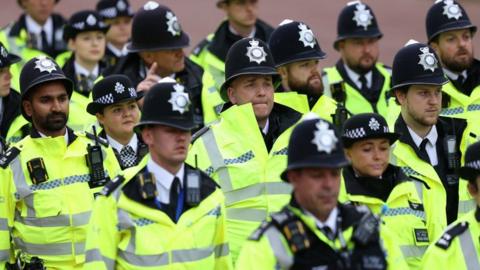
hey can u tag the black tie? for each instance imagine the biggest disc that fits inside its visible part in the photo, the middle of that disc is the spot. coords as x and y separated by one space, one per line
328 233
45 45
175 190
460 79
423 150
364 89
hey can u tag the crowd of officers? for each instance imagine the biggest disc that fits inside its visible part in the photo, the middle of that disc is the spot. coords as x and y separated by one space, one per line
119 152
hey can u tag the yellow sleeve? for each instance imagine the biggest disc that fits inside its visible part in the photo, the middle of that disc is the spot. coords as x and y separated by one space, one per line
102 235
256 255
7 209
438 258
223 259
395 259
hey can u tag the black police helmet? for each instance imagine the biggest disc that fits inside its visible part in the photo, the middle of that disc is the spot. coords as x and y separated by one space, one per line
111 9
471 170
416 63
155 27
167 103
6 58
445 16
111 90
314 144
356 20
83 21
366 126
40 70
294 41
248 56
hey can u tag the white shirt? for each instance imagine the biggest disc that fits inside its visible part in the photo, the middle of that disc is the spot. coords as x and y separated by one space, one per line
118 146
265 128
453 75
80 70
331 221
431 149
117 52
34 28
251 35
64 136
355 77
164 179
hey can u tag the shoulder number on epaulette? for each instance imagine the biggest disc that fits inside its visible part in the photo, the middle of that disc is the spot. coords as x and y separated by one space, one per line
446 240
257 234
199 48
8 156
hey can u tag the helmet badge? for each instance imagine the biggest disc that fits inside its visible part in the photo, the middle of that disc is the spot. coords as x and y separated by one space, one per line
324 138
452 10
45 64
150 5
256 53
172 24
179 99
119 88
121 5
91 20
362 16
373 124
306 36
427 59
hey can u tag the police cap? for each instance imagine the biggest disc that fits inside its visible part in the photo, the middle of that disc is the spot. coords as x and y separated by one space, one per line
471 170
366 126
111 9
111 90
83 21
294 41
167 103
248 56
6 58
156 27
445 16
356 20
314 144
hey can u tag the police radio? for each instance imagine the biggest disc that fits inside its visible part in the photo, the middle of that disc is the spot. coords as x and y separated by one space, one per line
341 113
94 159
193 188
450 149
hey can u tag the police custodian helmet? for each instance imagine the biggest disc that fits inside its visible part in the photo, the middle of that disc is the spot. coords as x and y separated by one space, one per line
155 27
248 56
294 41
314 144
416 63
167 103
356 20
364 126
39 70
445 16
471 170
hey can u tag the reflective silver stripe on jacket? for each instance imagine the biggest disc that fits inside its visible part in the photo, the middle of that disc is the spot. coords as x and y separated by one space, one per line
94 255
284 259
413 251
4 255
3 224
80 219
217 160
247 214
23 190
270 188
469 252
465 206
419 188
50 249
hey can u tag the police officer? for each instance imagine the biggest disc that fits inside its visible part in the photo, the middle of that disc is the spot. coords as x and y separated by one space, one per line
296 53
114 104
365 80
450 32
85 33
371 181
118 15
245 151
13 126
167 214
50 177
156 51
430 147
241 21
314 231
458 247
37 28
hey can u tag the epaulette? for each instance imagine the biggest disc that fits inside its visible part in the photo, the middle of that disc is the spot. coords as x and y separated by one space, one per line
112 185
448 236
199 133
257 234
101 140
8 156
199 48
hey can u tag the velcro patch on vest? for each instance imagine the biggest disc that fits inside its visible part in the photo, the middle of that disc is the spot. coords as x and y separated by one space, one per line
8 156
416 206
421 235
447 238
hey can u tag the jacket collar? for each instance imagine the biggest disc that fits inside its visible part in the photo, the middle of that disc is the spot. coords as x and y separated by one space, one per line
71 135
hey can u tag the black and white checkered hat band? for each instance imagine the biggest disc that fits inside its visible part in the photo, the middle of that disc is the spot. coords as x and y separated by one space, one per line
473 164
107 99
79 25
108 12
355 133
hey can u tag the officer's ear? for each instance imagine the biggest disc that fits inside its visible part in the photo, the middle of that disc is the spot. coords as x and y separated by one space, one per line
147 57
100 117
27 106
400 94
473 187
231 96
71 44
435 46
283 72
348 153
147 135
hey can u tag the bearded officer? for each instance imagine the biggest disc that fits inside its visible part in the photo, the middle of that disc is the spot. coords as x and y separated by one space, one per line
314 231
49 178
163 201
